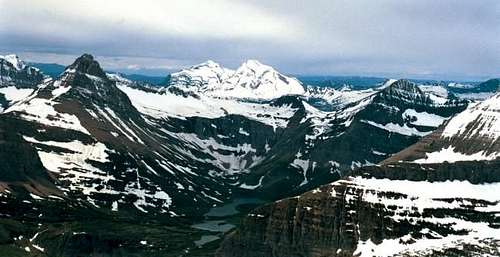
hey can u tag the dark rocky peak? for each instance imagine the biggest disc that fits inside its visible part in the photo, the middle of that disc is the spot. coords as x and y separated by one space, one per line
405 91
87 64
405 86
86 82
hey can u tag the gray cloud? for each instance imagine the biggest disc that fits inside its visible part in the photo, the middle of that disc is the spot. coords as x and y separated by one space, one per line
435 39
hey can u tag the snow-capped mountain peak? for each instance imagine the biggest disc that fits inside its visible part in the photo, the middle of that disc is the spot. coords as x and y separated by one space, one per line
14 72
205 76
209 64
259 81
254 65
252 80
15 61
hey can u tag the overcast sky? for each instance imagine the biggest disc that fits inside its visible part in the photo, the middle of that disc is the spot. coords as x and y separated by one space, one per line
453 39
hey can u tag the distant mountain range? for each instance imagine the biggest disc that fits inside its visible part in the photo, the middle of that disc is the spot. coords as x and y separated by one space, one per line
356 82
89 149
53 70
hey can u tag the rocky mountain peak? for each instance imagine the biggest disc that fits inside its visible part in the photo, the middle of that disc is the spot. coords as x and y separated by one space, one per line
87 64
405 91
405 85
15 61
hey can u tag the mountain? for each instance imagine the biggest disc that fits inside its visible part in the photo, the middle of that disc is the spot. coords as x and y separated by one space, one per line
17 80
90 149
78 147
363 131
252 80
14 72
292 145
438 197
91 136
471 135
477 91
337 82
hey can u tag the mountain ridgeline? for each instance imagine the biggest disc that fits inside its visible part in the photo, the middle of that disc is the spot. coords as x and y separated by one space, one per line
89 149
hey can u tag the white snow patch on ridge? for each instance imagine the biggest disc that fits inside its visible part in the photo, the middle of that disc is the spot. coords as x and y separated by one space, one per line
450 155
42 111
396 128
252 187
424 118
13 94
432 190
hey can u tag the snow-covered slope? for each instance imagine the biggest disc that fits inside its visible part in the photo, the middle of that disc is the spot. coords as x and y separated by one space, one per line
252 80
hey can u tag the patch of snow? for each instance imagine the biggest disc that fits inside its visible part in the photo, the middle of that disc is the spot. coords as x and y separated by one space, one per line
252 187
73 165
114 206
13 94
396 128
424 118
42 111
243 132
439 91
450 155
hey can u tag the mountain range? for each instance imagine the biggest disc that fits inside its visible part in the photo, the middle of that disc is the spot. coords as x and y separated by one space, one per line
89 148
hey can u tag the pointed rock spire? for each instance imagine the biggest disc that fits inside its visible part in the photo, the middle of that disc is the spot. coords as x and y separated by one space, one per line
87 64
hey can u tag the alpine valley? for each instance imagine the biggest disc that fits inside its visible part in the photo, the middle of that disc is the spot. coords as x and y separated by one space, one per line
245 162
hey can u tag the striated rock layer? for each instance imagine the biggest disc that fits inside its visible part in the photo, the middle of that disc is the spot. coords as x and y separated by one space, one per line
422 210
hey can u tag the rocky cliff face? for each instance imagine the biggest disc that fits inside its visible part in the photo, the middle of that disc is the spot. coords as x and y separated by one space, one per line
396 210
